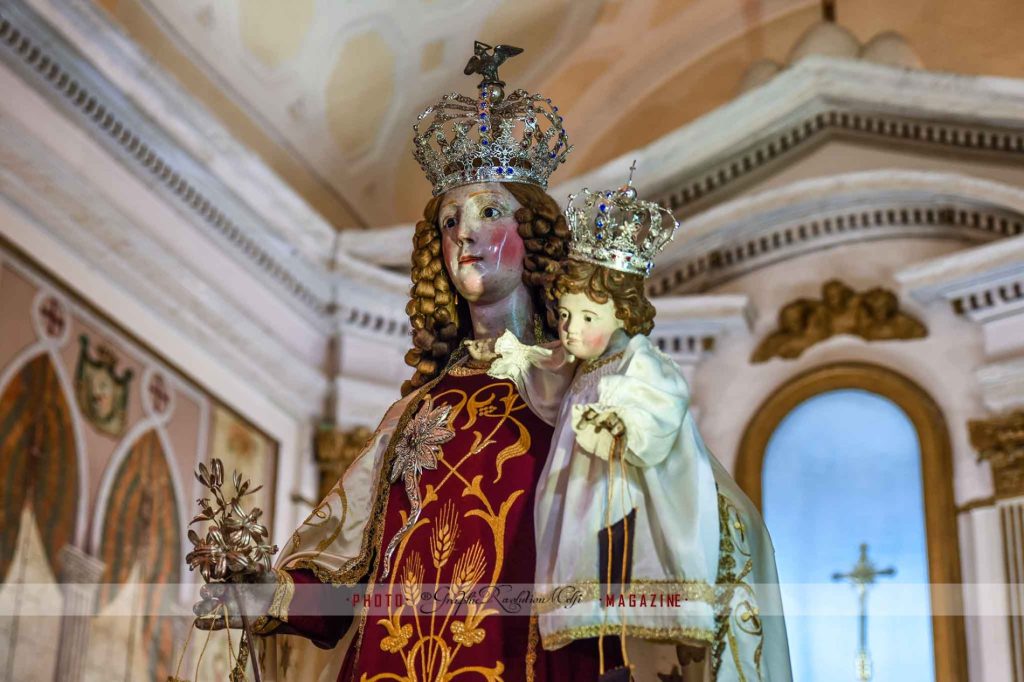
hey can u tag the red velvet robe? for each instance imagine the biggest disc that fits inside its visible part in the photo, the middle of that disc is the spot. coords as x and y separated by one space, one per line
476 530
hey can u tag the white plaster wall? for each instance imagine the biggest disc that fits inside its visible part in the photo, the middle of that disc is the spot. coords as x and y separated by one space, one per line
728 389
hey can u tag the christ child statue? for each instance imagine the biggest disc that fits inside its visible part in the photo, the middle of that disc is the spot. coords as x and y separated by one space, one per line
626 511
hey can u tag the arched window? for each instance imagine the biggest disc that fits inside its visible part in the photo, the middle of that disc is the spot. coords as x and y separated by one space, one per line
831 454
842 468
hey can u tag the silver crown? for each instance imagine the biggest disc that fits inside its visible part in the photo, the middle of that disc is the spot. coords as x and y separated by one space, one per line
493 138
615 229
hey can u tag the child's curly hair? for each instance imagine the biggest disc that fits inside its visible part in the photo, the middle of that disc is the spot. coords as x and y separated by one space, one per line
439 318
599 284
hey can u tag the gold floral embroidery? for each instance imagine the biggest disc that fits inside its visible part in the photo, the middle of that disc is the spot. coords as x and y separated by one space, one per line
412 579
466 635
593 590
442 538
737 612
467 371
468 570
531 649
434 639
588 366
675 634
398 635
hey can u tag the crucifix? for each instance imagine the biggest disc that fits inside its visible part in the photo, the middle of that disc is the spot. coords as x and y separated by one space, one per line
863 575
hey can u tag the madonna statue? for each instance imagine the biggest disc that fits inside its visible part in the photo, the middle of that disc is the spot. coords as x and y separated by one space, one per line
425 551
443 493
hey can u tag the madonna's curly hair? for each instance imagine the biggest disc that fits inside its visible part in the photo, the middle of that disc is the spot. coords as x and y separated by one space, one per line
440 318
599 283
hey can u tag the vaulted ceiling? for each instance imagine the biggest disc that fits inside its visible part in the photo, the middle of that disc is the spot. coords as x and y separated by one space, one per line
326 91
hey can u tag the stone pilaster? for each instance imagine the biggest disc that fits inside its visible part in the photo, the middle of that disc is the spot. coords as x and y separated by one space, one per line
78 577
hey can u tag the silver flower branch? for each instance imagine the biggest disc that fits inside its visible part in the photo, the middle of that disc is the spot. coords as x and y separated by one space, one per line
235 543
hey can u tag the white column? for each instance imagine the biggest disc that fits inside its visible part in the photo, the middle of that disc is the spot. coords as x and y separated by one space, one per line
1011 517
79 573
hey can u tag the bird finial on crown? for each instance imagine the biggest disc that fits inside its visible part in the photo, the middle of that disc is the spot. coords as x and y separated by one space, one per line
490 138
617 230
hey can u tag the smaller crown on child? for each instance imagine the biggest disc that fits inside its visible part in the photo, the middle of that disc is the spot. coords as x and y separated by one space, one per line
615 229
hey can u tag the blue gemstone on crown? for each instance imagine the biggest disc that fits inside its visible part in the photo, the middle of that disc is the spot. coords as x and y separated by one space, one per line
454 144
625 239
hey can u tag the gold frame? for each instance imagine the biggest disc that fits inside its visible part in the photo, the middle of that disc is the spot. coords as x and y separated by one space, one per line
936 475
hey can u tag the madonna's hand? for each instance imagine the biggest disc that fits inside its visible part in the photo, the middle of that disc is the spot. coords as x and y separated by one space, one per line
253 598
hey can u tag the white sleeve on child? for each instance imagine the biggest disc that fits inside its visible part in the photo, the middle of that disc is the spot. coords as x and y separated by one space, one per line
650 397
542 373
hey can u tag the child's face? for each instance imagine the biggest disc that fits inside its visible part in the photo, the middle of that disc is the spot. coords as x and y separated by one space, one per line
585 327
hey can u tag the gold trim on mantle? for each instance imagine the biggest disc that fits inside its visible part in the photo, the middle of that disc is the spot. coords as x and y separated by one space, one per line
1000 442
936 473
873 315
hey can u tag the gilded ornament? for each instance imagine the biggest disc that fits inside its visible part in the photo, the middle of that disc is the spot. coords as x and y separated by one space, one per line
335 450
873 315
1000 442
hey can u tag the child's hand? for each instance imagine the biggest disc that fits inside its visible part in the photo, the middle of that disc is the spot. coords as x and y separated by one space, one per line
481 350
604 421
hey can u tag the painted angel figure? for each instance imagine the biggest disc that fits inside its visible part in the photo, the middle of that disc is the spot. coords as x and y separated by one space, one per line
631 506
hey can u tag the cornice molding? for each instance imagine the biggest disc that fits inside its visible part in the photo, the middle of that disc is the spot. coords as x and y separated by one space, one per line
751 232
55 69
983 284
817 99
688 328
230 196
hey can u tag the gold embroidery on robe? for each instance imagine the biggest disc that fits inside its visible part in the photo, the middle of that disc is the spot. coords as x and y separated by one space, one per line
428 644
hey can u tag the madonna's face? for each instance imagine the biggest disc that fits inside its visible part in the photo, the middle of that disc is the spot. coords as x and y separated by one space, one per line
480 241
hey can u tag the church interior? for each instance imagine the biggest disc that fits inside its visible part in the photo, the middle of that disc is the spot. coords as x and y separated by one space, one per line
206 218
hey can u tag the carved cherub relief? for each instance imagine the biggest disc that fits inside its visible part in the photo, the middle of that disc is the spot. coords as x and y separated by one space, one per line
873 315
